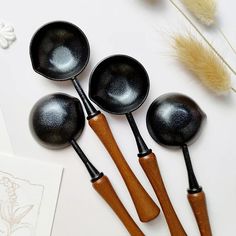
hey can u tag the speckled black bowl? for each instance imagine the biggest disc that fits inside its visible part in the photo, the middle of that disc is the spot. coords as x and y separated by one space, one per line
174 119
57 119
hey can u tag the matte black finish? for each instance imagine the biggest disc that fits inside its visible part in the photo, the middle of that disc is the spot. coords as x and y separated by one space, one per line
174 119
119 84
193 183
56 121
142 146
59 50
90 109
94 173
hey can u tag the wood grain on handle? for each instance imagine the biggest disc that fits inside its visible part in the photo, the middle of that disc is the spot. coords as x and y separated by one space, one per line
151 169
145 206
105 189
199 207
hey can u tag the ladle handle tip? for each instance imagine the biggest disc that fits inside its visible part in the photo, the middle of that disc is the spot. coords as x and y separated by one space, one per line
146 208
104 187
199 207
151 169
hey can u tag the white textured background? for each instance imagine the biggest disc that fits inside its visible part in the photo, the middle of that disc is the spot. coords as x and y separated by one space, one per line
141 29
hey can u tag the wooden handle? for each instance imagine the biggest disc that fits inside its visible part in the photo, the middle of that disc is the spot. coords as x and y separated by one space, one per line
145 206
105 189
199 207
151 169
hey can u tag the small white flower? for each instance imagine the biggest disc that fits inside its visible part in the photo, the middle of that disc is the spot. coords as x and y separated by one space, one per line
7 35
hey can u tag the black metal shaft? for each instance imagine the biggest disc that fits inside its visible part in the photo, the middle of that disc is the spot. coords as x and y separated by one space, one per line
193 183
142 147
94 173
90 109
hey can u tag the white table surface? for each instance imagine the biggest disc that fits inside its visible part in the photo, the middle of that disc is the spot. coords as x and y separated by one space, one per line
141 29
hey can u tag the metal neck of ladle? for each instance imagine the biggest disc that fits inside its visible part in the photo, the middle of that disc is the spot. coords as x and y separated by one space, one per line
94 173
193 183
90 109
142 147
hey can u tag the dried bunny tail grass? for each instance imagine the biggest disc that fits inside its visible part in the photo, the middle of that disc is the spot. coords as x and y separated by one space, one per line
203 62
211 8
203 37
204 10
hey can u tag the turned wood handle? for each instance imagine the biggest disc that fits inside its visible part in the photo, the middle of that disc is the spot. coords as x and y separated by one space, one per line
145 206
199 207
105 189
151 169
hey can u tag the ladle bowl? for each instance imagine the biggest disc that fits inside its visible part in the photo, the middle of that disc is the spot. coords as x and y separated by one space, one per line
56 121
119 84
174 119
59 50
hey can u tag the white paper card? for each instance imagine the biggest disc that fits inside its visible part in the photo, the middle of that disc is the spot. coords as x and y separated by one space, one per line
28 196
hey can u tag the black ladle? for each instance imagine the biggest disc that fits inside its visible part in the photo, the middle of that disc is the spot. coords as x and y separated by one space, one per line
119 85
175 120
60 51
56 121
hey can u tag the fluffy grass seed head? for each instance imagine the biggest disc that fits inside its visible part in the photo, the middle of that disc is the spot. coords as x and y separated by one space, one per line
204 10
203 62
